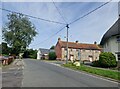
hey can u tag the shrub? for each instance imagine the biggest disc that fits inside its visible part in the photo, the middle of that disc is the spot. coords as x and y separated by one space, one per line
52 56
96 63
107 59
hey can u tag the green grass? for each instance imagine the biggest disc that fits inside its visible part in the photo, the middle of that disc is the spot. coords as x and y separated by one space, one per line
106 73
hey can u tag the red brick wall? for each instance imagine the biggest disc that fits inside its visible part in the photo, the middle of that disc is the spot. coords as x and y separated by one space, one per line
58 51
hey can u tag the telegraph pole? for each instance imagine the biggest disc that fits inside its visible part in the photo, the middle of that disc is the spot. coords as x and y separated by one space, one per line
67 43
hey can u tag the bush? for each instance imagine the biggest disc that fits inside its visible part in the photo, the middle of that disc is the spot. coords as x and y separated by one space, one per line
107 59
52 56
30 53
96 63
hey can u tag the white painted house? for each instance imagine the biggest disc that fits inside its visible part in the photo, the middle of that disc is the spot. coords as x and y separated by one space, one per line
111 40
43 53
39 54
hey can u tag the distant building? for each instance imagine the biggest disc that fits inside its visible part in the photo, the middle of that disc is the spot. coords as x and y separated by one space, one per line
77 51
43 53
111 40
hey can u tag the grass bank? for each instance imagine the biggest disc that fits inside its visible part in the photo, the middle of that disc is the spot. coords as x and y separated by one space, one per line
105 73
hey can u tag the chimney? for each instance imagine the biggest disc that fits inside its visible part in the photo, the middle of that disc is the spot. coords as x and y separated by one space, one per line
59 39
76 41
95 42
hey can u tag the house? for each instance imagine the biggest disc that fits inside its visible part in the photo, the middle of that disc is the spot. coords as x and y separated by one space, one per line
43 53
77 51
111 40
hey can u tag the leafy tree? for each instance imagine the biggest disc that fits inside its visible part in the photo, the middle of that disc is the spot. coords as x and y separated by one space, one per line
4 48
30 53
18 32
52 47
52 56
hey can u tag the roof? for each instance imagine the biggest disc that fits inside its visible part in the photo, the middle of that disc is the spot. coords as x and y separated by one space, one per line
75 45
44 51
114 30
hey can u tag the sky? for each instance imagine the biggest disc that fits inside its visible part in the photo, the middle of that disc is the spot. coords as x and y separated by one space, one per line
87 30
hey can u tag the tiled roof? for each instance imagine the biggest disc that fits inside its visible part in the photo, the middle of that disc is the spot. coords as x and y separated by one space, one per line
79 45
44 51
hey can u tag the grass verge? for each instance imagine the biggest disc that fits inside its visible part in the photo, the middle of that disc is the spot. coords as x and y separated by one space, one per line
105 73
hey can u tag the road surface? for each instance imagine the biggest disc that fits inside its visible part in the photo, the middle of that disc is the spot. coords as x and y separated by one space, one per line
43 74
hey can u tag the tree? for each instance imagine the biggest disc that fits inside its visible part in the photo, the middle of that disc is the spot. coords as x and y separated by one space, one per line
18 32
52 47
4 48
52 56
30 53
106 59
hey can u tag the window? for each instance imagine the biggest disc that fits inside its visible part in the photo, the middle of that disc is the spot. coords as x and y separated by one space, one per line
118 38
96 51
65 49
118 56
83 50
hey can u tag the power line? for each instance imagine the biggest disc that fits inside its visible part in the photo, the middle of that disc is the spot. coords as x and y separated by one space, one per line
90 12
50 36
75 21
58 22
32 16
59 12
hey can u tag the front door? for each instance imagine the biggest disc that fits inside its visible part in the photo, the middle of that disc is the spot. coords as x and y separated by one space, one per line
72 58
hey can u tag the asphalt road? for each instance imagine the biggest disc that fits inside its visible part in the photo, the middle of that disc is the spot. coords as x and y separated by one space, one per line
0 77
42 74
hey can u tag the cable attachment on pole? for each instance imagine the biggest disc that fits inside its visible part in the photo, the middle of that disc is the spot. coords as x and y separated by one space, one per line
67 25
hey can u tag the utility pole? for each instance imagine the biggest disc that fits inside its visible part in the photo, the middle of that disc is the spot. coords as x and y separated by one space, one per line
79 55
67 43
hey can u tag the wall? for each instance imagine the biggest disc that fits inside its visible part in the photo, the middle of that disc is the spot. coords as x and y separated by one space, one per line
58 51
84 54
90 54
111 45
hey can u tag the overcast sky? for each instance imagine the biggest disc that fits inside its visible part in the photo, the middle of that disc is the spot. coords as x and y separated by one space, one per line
87 30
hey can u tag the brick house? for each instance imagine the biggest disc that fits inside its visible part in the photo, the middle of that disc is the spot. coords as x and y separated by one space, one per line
77 51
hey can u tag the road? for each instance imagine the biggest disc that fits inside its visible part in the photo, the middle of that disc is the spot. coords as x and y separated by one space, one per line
43 74
0 77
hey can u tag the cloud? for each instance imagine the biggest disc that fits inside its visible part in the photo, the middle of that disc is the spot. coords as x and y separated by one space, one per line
93 27
87 30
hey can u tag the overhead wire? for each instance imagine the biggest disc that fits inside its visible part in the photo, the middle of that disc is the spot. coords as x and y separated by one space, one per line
49 37
32 16
90 12
59 11
59 22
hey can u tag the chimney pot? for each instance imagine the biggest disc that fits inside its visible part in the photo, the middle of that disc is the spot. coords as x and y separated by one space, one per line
59 39
77 41
95 42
